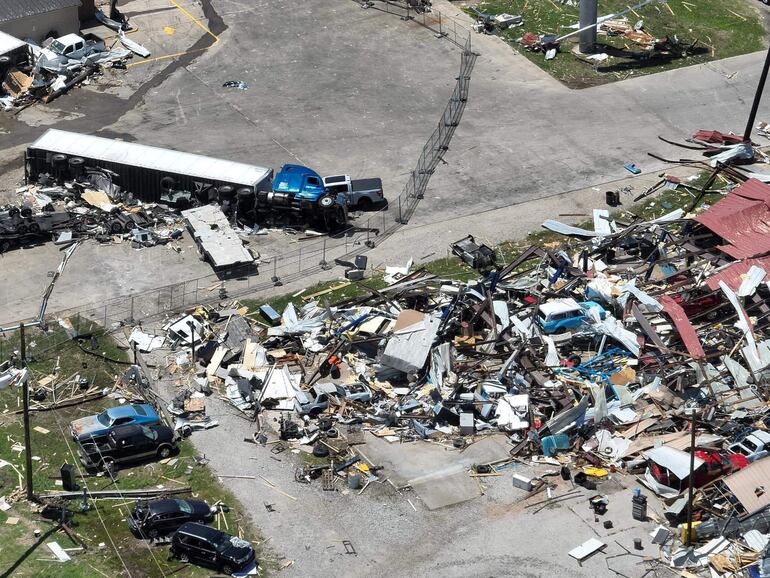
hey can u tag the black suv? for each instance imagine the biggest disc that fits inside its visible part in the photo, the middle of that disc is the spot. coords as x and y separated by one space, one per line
150 519
128 443
209 547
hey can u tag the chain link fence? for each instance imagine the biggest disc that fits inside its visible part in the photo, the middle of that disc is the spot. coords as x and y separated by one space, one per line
365 232
413 10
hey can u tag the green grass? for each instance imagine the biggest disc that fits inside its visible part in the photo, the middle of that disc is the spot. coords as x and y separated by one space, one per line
721 29
104 523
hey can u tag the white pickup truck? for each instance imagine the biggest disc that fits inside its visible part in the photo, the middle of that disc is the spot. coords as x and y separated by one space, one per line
361 194
69 50
754 446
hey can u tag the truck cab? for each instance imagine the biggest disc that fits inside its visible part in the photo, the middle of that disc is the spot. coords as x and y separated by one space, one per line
301 189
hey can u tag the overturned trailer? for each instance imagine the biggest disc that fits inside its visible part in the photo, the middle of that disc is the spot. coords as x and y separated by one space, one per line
145 171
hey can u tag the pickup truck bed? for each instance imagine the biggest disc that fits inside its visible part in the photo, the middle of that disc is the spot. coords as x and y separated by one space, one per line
366 185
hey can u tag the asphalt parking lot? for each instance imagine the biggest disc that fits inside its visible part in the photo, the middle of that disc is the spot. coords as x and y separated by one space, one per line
349 90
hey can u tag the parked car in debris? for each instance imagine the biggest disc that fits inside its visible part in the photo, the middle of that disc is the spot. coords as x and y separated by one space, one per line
478 256
212 548
560 315
127 443
95 426
68 49
316 400
668 469
153 518
754 446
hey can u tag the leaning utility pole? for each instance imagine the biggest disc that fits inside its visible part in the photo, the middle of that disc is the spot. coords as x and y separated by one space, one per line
25 396
690 488
757 99
589 12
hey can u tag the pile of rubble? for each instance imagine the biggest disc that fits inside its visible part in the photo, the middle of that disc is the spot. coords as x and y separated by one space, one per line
30 73
597 357
90 206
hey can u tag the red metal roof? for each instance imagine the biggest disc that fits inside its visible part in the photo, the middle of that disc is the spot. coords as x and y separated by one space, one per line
732 275
742 219
683 326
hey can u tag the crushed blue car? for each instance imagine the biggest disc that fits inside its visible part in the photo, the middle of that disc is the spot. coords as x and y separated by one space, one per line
95 426
561 315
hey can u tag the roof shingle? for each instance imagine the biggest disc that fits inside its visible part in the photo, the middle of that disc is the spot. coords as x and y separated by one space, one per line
15 9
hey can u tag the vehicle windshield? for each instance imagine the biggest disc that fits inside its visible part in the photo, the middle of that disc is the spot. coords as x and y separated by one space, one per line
224 541
57 47
104 418
750 444
139 409
183 506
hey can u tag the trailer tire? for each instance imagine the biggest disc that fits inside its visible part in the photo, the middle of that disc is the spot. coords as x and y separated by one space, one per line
13 212
76 166
34 228
225 193
58 159
5 246
21 229
26 212
168 183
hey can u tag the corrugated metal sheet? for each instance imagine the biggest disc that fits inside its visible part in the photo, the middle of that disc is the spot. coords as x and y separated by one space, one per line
216 237
683 326
15 9
742 219
751 485
148 157
731 275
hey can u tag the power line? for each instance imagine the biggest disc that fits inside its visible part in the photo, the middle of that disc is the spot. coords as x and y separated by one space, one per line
96 508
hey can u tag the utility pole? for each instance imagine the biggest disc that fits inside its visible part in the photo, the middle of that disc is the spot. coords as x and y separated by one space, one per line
589 11
757 99
25 397
690 488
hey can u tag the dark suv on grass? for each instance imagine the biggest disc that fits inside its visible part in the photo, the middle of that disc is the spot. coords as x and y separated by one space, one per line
209 547
150 519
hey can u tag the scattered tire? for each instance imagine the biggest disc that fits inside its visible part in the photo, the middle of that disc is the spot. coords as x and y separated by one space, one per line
320 450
